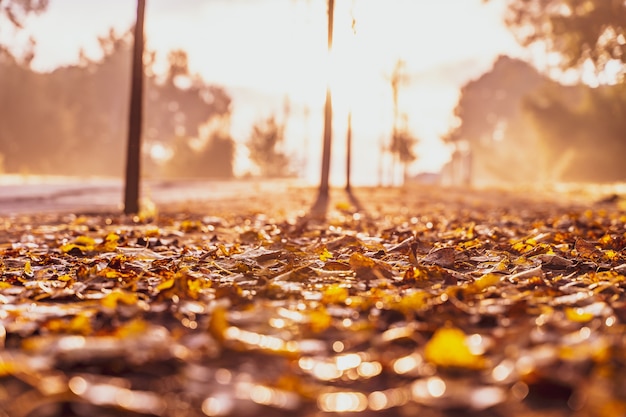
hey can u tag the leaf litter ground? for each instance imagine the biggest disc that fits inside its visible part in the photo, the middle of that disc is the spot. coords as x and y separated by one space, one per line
431 302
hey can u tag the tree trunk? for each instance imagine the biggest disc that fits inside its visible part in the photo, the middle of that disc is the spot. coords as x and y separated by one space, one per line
349 153
322 198
328 132
133 155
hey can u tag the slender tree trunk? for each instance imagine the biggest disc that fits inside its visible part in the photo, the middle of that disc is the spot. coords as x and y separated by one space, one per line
381 161
349 153
328 139
405 172
328 116
133 155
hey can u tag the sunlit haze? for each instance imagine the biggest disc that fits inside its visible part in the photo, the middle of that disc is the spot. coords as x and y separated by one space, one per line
265 52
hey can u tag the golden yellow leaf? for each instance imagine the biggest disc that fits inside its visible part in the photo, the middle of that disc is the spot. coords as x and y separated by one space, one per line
194 286
486 281
413 301
8 366
415 274
55 325
152 232
325 255
524 246
165 285
65 248
65 278
190 225
116 296
344 206
110 242
605 240
448 348
578 315
80 324
218 323
28 270
132 328
111 273
84 241
335 294
320 320
222 248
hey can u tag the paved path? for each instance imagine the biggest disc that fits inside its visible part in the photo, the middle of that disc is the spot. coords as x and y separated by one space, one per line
39 194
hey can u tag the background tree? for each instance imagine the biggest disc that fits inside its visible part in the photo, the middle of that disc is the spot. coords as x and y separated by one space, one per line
397 79
17 10
579 31
523 127
402 141
197 159
493 139
582 130
265 146
13 12
402 147
186 101
71 122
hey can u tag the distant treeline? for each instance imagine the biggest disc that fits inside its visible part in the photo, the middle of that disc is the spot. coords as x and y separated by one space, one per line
517 125
73 121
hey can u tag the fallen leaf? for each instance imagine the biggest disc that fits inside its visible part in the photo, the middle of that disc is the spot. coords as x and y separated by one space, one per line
448 348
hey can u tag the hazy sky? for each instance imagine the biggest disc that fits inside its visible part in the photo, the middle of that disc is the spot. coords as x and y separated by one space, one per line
265 50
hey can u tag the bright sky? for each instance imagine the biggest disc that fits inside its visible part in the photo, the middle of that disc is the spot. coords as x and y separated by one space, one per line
265 50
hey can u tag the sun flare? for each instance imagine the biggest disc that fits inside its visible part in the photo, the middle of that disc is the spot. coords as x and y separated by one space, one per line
266 52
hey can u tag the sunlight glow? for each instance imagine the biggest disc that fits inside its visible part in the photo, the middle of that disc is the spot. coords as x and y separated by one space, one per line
424 389
406 364
160 153
266 51
339 402
217 406
393 397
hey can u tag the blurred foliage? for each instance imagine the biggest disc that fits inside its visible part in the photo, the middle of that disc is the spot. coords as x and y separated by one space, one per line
17 10
402 146
579 30
12 15
492 97
402 140
265 145
516 125
73 121
201 161
590 129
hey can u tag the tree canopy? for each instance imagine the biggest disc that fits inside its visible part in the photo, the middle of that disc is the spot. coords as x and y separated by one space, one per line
579 30
13 13
17 10
519 126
